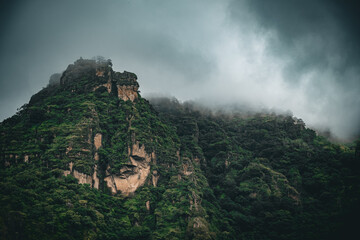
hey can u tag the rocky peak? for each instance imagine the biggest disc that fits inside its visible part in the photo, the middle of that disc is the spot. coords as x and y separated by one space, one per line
86 75
83 68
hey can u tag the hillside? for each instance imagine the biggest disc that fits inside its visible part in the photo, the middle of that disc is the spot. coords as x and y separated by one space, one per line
89 158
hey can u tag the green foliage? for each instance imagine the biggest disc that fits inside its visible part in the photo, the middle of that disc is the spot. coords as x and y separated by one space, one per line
272 177
39 204
221 176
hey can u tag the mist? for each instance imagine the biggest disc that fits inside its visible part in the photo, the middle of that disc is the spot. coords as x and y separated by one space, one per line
280 55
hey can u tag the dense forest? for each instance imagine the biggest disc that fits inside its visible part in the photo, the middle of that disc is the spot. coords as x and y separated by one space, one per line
89 158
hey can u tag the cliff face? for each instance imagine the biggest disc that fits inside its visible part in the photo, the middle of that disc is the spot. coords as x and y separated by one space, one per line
89 75
82 139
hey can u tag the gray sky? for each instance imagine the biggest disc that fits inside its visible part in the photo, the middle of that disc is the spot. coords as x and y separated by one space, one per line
301 56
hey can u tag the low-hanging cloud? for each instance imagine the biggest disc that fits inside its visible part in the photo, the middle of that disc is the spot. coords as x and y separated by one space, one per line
264 54
317 43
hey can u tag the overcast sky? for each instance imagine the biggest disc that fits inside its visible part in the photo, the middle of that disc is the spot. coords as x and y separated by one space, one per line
301 56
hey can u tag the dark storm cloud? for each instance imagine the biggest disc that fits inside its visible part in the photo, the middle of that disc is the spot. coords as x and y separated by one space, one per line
316 32
41 37
319 41
301 56
7 9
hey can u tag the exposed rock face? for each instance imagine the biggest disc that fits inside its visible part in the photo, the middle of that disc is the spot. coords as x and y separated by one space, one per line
97 141
100 74
155 178
127 92
95 178
83 178
68 149
127 86
97 144
133 175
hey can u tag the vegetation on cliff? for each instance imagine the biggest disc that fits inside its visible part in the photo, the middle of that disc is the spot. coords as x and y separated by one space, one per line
273 177
165 170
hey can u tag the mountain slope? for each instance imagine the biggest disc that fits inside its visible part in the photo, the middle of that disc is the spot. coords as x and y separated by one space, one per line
89 158
273 177
93 127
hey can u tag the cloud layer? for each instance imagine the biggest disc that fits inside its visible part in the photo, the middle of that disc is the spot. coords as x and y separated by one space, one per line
265 54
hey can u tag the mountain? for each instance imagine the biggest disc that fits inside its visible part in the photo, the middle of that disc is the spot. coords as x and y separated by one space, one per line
89 158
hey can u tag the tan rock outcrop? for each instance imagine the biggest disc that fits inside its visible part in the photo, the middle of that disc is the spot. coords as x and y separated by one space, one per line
99 73
139 151
127 92
82 177
71 164
97 141
134 174
95 178
155 178
68 149
129 184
